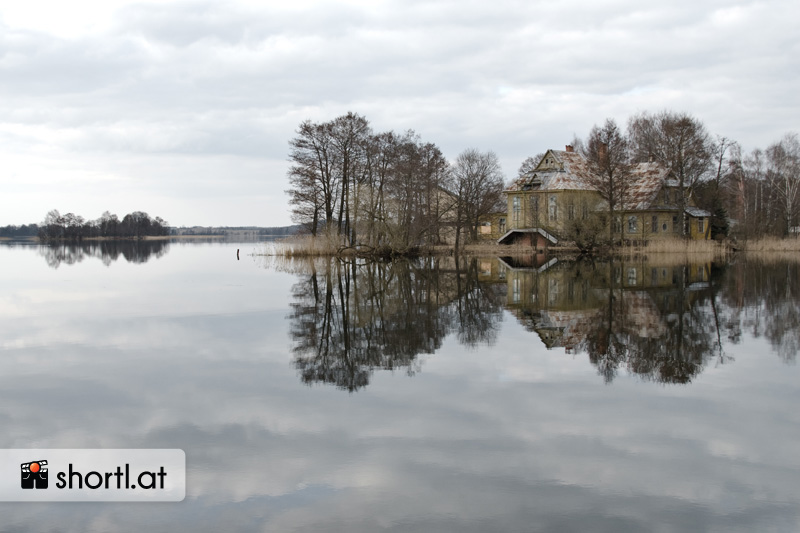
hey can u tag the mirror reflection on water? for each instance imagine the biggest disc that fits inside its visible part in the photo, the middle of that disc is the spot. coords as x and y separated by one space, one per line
489 394
661 321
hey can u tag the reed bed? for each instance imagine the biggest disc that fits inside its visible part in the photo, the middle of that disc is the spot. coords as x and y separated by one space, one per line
771 244
303 246
677 246
679 249
675 252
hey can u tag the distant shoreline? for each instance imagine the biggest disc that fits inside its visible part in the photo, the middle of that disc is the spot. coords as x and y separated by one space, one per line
95 239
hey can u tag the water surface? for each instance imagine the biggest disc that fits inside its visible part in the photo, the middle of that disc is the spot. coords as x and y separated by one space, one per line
484 395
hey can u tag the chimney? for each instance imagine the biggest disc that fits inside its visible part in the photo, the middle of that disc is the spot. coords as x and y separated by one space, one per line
569 148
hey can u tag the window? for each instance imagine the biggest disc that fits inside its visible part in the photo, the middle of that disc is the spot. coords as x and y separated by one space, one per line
570 211
502 225
666 196
535 209
674 224
516 209
617 225
664 226
632 276
701 226
633 224
655 224
552 292
553 208
584 211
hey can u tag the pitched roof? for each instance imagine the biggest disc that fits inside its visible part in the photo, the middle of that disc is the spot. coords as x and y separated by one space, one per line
563 170
646 182
697 212
558 170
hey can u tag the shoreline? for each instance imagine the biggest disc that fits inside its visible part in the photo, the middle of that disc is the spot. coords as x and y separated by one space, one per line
321 247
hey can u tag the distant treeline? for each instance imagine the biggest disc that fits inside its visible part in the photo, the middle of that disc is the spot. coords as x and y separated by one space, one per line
71 227
26 230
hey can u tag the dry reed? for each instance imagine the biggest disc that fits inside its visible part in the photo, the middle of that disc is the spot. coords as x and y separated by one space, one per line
303 246
771 244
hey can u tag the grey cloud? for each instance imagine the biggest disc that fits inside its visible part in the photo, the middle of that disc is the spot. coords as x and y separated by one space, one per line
203 79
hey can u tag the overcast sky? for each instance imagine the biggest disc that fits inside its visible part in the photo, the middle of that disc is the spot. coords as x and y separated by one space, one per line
185 109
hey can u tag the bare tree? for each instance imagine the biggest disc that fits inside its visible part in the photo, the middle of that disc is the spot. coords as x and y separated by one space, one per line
752 190
349 135
783 174
676 140
313 181
478 183
715 194
609 157
370 190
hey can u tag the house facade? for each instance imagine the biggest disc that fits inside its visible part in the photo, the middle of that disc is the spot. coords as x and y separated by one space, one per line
560 191
492 226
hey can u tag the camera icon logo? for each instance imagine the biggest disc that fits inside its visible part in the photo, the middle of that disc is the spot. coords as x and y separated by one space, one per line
33 475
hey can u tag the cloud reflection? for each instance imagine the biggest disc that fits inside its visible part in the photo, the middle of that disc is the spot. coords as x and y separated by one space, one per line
452 448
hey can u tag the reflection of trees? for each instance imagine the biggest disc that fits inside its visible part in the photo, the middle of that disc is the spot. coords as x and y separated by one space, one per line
478 307
106 251
763 298
350 318
662 323
681 335
687 343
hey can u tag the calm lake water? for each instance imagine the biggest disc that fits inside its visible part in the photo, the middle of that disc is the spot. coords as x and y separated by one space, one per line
495 394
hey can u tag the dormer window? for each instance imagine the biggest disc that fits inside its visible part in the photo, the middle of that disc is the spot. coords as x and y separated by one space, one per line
535 183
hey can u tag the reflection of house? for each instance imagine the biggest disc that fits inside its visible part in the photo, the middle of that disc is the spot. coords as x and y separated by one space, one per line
643 275
565 303
557 302
491 270
562 190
